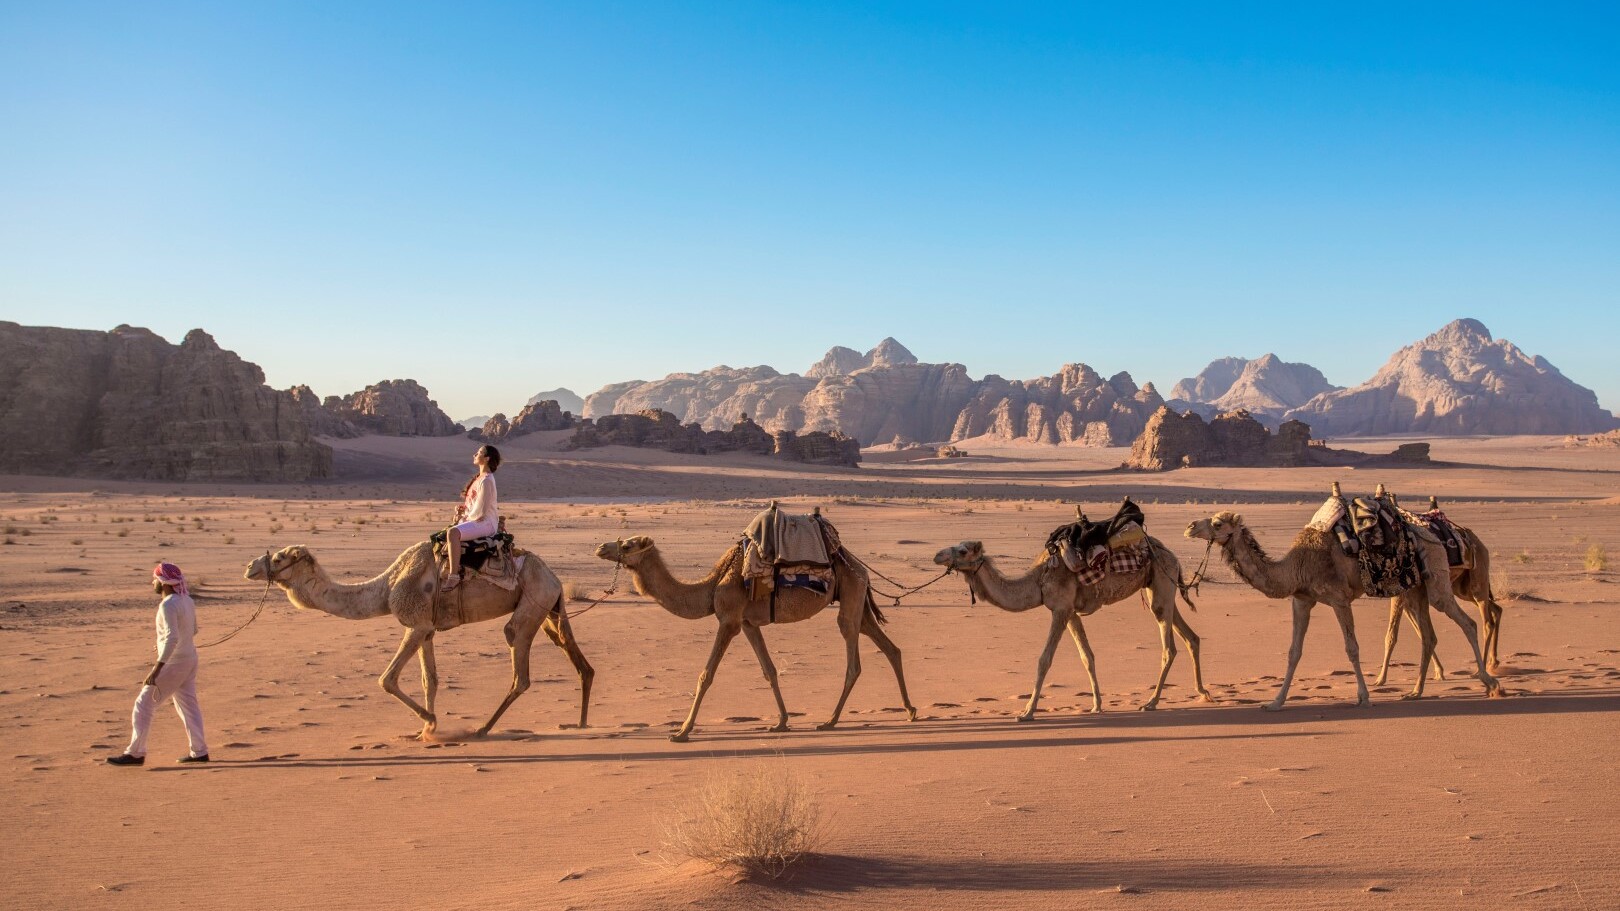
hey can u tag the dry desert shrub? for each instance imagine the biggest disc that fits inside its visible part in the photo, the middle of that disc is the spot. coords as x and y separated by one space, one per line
1504 589
762 818
1596 559
574 591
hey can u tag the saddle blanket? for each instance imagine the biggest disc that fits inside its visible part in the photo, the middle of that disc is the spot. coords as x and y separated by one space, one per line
1127 559
777 538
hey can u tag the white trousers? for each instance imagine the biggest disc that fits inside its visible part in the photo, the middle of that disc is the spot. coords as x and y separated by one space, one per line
178 681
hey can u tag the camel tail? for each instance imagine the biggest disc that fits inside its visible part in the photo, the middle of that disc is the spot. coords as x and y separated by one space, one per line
557 609
872 608
1181 581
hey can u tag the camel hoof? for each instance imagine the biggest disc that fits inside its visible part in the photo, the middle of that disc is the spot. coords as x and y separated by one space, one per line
1495 668
1272 707
1408 697
1149 707
826 725
911 712
1206 697
679 737
1094 710
1379 681
781 728
481 733
1496 693
1027 716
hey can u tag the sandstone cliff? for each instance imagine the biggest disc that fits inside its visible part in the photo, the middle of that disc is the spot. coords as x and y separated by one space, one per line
1236 439
1267 387
887 394
656 429
399 408
1460 381
129 404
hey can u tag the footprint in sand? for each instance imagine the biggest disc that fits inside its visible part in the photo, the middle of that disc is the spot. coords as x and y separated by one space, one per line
945 705
738 719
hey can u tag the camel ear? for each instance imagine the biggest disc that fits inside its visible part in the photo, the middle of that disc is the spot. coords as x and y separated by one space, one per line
1237 519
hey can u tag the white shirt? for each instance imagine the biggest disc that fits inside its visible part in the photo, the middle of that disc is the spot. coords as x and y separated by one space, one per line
480 503
176 628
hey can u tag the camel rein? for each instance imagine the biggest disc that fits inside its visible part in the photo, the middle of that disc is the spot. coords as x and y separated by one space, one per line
906 591
606 593
263 596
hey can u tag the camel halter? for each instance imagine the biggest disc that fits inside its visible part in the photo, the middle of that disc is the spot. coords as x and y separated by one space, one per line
966 572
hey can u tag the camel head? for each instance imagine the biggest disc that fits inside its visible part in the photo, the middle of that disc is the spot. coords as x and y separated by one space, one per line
627 551
274 566
1218 528
965 556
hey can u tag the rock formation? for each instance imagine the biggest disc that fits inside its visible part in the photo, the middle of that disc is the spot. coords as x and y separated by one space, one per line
535 417
566 399
655 429
1460 381
1236 439
1266 387
129 404
888 393
323 418
399 408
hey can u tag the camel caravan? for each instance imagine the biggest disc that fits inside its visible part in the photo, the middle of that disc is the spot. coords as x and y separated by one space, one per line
787 568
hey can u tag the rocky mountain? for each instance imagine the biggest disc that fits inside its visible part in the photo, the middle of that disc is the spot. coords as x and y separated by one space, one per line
1174 440
887 394
1460 381
396 408
662 430
129 404
474 422
566 399
1267 387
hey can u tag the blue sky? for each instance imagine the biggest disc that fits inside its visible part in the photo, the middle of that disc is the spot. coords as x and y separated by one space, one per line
496 199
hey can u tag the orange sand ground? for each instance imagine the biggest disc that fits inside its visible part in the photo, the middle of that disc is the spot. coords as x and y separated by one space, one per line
314 800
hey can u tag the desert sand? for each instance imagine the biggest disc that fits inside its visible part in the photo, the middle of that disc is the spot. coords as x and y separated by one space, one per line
316 799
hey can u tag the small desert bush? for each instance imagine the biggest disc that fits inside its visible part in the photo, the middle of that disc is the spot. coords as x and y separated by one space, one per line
762 818
1523 556
123 532
574 591
1596 559
1503 587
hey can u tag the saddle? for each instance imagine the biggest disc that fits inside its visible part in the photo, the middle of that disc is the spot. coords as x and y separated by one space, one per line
1084 546
1458 554
1380 535
788 550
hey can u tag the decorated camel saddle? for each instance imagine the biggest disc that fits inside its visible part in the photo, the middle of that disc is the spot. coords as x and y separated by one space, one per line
1380 535
1459 553
493 558
1092 550
789 550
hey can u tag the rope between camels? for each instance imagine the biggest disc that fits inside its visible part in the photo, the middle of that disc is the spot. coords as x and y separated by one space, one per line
256 611
907 591
613 586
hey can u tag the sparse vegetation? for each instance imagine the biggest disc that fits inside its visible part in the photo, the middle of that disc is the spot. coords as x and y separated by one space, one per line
762 818
1596 559
1503 587
1522 557
123 532
574 591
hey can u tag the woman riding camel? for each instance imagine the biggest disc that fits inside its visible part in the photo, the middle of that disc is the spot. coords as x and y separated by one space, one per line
477 516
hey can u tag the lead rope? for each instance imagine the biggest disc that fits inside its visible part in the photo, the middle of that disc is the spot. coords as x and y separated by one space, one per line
256 611
906 591
607 593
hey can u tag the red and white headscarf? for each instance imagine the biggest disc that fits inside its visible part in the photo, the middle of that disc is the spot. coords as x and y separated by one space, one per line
170 575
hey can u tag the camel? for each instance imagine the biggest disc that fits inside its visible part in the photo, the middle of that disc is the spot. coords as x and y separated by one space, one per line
1315 570
1059 590
407 590
1468 583
724 594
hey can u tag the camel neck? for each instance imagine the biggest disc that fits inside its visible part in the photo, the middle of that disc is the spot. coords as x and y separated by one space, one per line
1271 577
1010 594
315 590
687 600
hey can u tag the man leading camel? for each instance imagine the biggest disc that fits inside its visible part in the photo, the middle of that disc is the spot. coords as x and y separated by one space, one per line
175 673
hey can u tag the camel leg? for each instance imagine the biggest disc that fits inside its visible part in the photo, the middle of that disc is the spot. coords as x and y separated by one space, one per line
1466 623
1077 632
1352 650
1194 644
389 680
522 643
1419 615
757 640
1491 614
1439 672
722 639
1302 622
871 629
850 627
557 629
1060 622
1165 617
1390 635
430 674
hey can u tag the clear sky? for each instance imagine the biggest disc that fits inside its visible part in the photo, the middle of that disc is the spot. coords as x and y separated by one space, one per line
496 199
